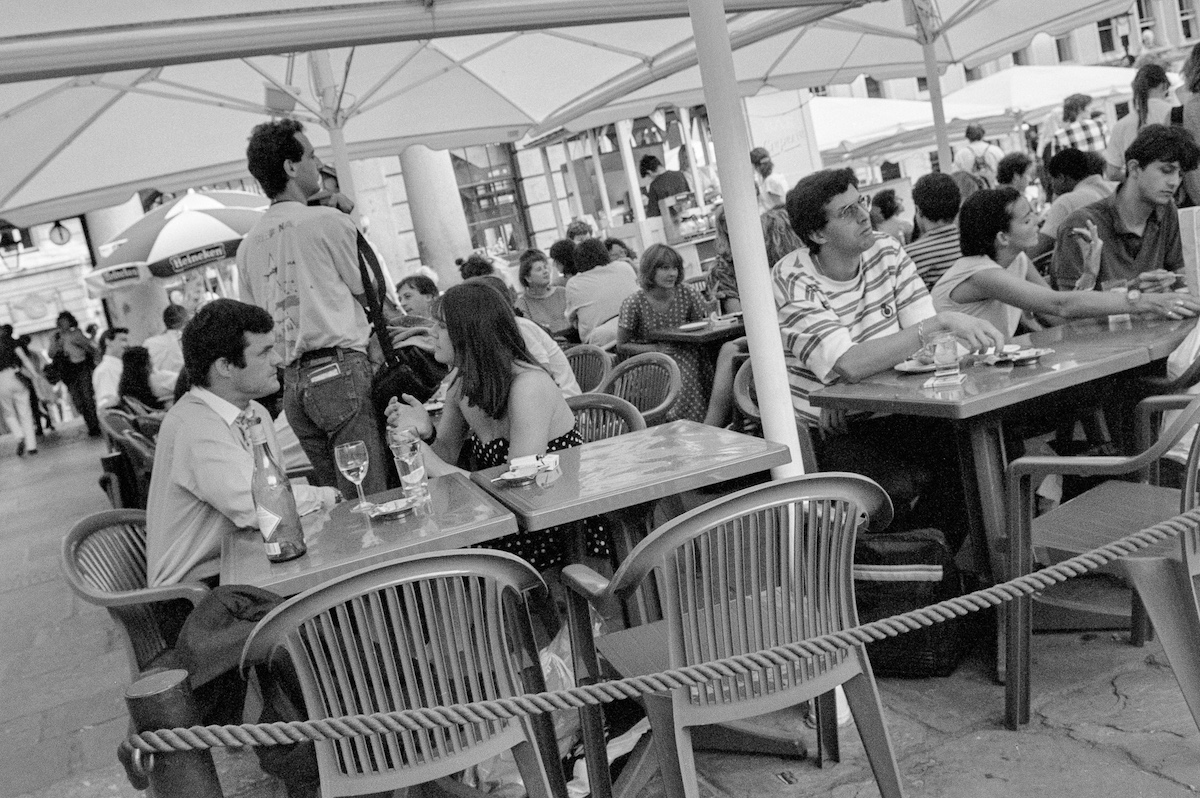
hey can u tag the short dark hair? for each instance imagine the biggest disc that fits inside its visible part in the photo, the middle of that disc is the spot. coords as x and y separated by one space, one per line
1069 163
487 342
648 165
218 330
937 197
475 265
528 258
758 155
421 283
975 132
885 200
658 256
1073 106
1011 167
174 316
589 254
109 334
272 143
611 242
68 317
135 377
1167 143
563 253
578 228
1096 163
984 214
807 199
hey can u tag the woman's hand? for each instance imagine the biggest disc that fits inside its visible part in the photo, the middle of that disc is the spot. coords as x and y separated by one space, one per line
832 421
417 337
409 414
1090 247
974 333
1170 305
1156 281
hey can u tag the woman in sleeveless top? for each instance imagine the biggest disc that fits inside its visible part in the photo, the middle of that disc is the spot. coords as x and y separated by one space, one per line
500 402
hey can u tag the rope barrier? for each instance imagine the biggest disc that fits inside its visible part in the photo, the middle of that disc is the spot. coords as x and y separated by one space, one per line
411 720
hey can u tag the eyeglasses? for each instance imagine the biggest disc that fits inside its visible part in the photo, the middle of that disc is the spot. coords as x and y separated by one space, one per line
851 212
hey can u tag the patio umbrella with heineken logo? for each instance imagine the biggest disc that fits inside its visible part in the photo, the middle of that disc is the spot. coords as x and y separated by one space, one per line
194 230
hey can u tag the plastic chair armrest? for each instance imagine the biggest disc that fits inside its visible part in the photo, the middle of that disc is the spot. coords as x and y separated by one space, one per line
586 582
1042 466
192 591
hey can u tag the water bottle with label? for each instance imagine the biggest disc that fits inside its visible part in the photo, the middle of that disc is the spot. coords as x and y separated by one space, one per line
274 502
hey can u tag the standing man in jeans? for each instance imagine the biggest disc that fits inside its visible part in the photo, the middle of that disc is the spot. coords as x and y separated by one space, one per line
300 263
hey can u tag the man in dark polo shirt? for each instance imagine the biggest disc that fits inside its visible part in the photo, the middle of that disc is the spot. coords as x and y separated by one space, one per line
666 183
1137 226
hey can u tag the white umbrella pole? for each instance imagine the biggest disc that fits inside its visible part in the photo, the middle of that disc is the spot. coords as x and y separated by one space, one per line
745 231
685 121
327 89
554 206
601 185
945 161
625 143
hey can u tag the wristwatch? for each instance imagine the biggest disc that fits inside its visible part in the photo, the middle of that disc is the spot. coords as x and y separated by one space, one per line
1133 294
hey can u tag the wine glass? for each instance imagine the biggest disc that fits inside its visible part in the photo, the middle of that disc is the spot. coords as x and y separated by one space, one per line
352 461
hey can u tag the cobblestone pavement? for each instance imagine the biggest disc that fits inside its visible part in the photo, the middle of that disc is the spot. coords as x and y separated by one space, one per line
1109 719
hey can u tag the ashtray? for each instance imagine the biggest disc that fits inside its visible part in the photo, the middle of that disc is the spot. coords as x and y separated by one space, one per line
524 470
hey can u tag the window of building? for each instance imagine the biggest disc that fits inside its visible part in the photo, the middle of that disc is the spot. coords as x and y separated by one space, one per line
1105 28
1187 19
1147 17
1021 57
889 171
489 184
1122 110
922 83
1065 51
972 74
933 161
874 89
819 91
14 238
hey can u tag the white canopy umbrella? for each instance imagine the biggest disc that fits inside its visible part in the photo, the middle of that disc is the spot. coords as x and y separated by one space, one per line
77 143
1034 89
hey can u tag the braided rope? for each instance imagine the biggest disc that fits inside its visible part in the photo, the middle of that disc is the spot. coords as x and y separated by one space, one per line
411 720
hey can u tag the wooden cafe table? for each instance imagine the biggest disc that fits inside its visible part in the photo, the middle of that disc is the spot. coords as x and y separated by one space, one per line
340 541
724 329
1085 352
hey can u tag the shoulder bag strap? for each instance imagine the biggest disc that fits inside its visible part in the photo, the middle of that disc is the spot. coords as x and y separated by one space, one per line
374 289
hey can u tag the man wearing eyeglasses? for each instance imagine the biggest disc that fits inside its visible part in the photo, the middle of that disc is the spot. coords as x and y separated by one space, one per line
851 304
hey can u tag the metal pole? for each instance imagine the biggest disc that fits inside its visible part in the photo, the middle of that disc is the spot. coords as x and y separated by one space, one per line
318 61
625 143
164 701
558 221
601 185
685 121
935 102
728 123
572 183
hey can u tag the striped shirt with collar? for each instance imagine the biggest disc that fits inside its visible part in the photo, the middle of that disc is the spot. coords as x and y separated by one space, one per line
935 252
820 319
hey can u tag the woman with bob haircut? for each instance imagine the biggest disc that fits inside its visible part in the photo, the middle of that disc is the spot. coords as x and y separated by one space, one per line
543 302
995 281
500 402
664 300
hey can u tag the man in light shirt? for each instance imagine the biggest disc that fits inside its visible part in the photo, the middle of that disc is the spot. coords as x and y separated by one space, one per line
106 378
203 462
166 352
771 186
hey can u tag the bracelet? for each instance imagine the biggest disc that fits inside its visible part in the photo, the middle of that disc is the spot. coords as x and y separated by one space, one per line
433 437
921 333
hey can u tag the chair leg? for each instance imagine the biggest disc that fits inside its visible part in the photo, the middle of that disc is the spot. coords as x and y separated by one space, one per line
1171 606
534 773
676 760
825 712
1140 629
863 697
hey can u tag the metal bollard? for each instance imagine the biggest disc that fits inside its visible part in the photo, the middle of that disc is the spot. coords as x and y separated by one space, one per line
163 701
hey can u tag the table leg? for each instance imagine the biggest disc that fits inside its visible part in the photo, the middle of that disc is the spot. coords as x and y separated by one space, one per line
981 458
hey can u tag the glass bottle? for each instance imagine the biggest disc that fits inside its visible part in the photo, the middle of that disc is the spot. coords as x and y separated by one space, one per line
278 520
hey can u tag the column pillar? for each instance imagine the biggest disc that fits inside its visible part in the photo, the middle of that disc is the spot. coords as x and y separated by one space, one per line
439 222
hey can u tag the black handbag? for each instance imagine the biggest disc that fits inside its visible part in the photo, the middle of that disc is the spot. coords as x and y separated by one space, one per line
405 370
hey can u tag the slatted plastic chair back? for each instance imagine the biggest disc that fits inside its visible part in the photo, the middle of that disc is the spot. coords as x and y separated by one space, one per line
104 557
591 365
599 416
423 631
769 565
743 397
1189 540
116 423
651 382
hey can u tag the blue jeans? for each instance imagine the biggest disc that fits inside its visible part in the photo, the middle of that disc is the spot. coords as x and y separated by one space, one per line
334 410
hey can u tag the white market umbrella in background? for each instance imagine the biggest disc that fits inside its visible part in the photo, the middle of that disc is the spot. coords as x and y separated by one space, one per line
1036 89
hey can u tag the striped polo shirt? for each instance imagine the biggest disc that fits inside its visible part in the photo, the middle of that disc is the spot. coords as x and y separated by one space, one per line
934 252
820 319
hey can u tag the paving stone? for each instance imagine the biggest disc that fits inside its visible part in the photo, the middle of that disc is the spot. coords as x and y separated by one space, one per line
28 768
98 744
98 708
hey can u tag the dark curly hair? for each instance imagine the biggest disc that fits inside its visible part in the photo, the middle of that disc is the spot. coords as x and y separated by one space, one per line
807 199
272 143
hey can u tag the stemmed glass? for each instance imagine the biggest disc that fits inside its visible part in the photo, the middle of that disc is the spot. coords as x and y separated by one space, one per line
352 461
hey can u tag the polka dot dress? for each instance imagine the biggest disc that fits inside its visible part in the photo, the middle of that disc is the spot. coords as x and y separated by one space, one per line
546 548
641 318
